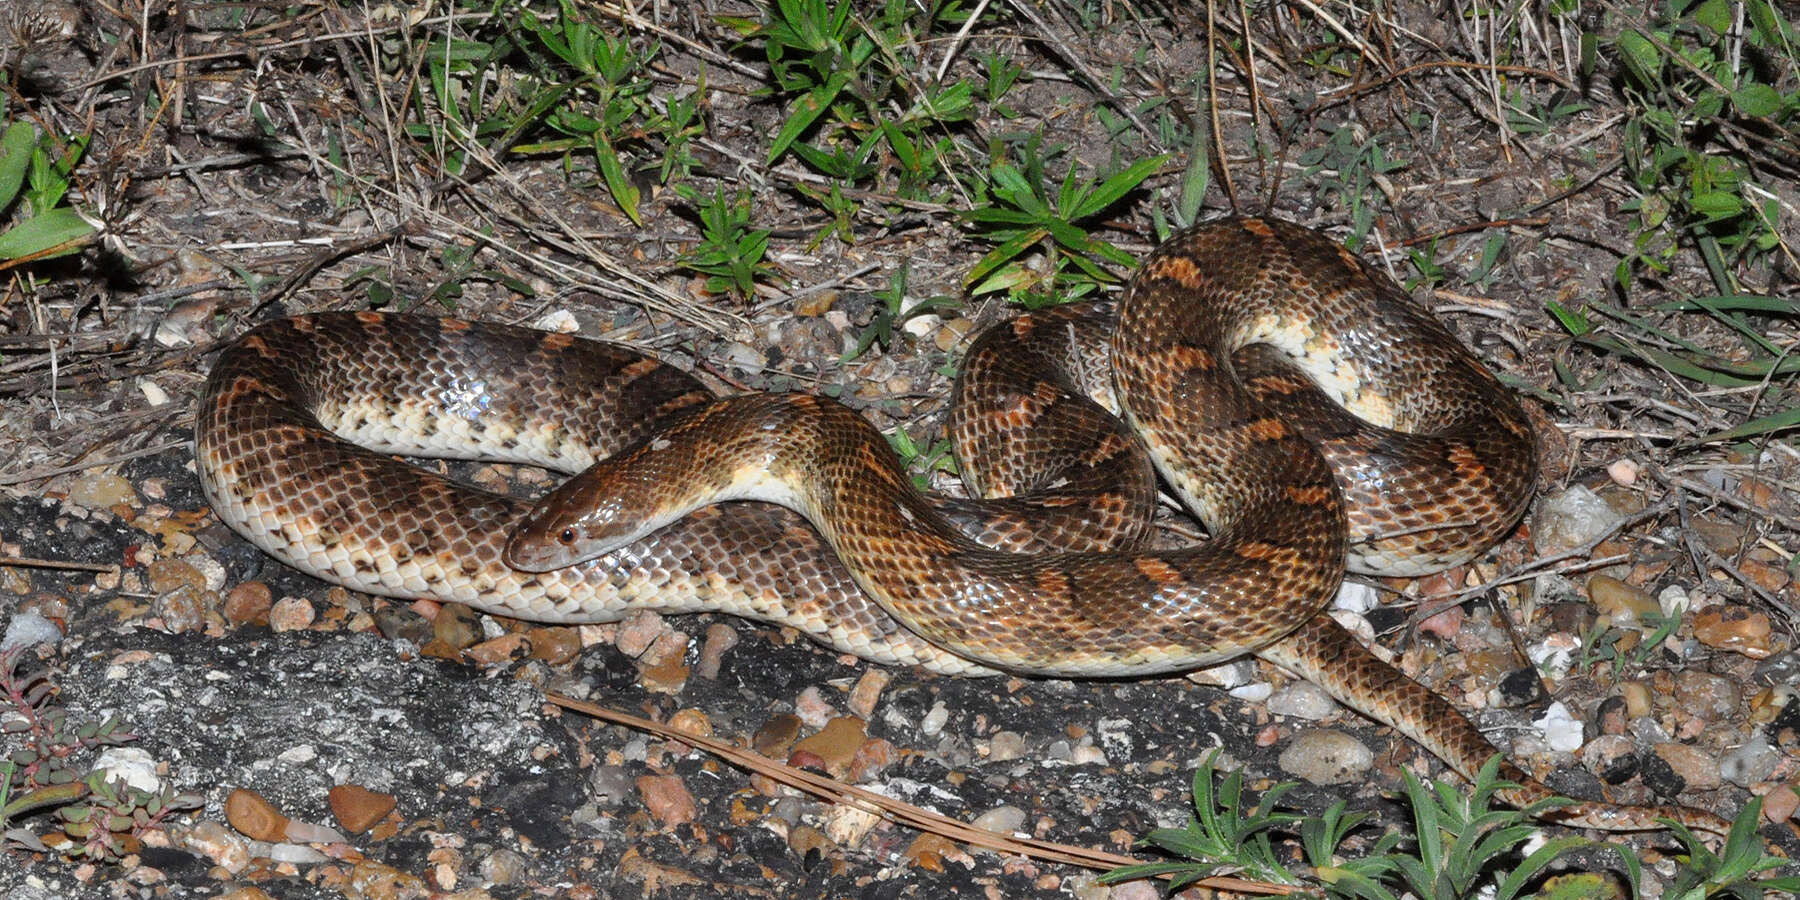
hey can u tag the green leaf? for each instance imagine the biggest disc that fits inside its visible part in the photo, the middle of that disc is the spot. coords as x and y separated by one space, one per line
41 232
1117 186
1757 100
805 111
618 183
15 156
1641 56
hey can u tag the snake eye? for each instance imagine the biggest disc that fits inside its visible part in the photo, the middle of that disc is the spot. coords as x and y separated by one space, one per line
567 536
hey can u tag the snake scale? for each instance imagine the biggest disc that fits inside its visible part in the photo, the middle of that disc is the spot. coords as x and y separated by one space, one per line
1298 402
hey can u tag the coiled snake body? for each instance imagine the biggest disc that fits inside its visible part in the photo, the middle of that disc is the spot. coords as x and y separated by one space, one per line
1222 344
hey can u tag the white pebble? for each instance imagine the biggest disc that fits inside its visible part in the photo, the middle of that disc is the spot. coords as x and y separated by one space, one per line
1562 732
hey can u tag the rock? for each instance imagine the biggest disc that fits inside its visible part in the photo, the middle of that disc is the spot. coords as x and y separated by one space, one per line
1302 699
1326 756
867 692
1697 769
248 604
1735 628
254 817
1005 745
1562 731
1571 519
776 736
101 490
1755 761
1621 602
357 808
135 767
1003 819
667 798
212 841
720 638
1705 694
836 743
291 614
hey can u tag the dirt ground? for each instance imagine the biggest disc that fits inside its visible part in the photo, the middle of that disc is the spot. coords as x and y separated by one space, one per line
249 161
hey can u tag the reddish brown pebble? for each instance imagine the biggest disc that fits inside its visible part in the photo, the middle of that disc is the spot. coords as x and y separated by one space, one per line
776 736
806 759
928 852
667 799
872 758
357 808
555 645
248 604
836 743
1780 804
457 626
1735 628
291 614
503 649
255 817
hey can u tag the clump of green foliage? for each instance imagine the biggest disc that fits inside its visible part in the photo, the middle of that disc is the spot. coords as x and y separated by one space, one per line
43 768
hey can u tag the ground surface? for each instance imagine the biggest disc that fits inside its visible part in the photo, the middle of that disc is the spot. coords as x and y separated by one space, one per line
248 165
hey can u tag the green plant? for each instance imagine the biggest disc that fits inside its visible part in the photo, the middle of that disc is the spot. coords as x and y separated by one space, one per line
1225 835
1600 644
36 168
99 819
1348 164
1715 90
1020 213
893 312
1732 871
730 252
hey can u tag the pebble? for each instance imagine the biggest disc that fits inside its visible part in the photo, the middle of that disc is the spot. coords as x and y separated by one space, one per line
168 575
810 844
1674 600
102 490
776 736
667 798
1571 519
1621 602
1326 756
720 638
1088 754
813 709
458 626
1735 628
928 851
132 765
1006 745
1705 694
847 825
503 649
1613 757
504 867
357 808
1302 699
1623 472
867 692
638 632
291 614
1562 731
555 644
935 719
1780 804
609 784
1612 716
1755 761
836 744
1002 819
872 759
248 604
254 817
1698 770
1637 698
28 629
213 841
